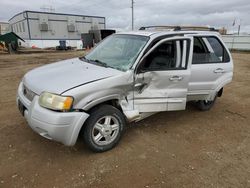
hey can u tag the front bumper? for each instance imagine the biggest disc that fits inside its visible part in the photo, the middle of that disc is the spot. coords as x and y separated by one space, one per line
63 127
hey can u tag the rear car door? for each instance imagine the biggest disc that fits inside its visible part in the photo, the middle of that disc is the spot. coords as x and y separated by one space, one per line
162 76
211 69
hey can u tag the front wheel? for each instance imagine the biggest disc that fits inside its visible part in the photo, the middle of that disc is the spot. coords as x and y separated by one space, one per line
205 105
104 128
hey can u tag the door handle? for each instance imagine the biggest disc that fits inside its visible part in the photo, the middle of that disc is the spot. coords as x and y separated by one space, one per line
176 78
219 70
139 85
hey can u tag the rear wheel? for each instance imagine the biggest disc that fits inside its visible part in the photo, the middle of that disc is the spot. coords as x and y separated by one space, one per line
104 128
205 105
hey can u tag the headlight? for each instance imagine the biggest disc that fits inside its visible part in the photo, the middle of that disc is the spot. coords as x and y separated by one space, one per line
55 102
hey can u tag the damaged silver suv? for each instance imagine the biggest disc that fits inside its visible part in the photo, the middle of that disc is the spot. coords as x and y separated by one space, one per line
127 77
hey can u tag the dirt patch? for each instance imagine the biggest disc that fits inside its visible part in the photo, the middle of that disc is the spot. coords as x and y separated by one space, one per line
171 149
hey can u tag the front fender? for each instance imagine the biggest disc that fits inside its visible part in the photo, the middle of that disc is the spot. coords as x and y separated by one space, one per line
95 102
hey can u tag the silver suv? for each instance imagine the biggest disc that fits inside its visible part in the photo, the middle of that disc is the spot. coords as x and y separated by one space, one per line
127 77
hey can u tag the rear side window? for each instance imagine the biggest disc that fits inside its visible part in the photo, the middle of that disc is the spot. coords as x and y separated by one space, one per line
209 50
199 46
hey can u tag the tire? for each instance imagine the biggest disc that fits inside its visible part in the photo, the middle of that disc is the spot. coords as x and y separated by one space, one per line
103 129
205 105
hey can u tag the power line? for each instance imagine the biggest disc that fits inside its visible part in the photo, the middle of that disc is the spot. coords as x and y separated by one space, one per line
132 7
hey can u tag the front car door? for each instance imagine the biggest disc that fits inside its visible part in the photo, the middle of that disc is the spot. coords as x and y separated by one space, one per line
162 76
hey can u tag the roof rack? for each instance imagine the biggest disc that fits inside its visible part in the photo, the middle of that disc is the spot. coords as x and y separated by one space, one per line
180 28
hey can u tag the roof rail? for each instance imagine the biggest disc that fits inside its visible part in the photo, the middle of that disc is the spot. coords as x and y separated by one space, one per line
180 28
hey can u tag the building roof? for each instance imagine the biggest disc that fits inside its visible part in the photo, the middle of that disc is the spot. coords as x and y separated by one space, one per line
54 13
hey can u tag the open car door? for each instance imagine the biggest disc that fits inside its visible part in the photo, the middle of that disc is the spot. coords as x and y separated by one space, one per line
162 76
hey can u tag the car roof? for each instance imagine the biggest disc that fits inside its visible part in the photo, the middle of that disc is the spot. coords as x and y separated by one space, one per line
157 33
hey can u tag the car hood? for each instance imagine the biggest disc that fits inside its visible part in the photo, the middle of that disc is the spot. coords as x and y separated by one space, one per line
64 75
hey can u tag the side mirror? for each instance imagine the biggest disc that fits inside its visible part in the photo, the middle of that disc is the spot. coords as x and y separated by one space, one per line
140 68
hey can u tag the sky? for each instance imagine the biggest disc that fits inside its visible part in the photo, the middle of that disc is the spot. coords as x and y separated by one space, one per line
213 13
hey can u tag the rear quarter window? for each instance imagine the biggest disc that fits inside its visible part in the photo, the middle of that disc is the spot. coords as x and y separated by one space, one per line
213 51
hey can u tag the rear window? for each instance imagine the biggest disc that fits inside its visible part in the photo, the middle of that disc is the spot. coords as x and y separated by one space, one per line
209 50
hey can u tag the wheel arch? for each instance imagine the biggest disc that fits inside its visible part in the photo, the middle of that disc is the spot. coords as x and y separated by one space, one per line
96 104
113 100
220 92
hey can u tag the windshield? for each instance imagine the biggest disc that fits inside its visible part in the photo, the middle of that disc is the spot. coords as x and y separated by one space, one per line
118 51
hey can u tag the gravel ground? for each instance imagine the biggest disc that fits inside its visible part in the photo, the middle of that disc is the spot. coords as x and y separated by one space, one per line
171 149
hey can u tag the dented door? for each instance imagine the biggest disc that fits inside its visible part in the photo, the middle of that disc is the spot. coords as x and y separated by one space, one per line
162 77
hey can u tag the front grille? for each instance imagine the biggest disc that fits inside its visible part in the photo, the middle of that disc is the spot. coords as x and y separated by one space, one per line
28 93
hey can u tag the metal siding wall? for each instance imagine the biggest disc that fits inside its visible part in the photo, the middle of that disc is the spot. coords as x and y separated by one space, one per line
4 28
83 27
237 42
15 23
58 26
48 43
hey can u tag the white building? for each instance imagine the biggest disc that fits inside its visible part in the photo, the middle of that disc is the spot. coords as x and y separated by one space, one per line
4 28
45 29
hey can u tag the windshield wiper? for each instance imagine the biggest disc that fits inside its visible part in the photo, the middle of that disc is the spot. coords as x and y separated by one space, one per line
96 61
84 58
99 62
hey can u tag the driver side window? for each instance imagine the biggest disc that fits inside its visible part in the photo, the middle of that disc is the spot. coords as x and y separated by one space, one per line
170 55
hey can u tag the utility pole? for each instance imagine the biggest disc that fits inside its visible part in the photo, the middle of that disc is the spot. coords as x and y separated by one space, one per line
132 7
